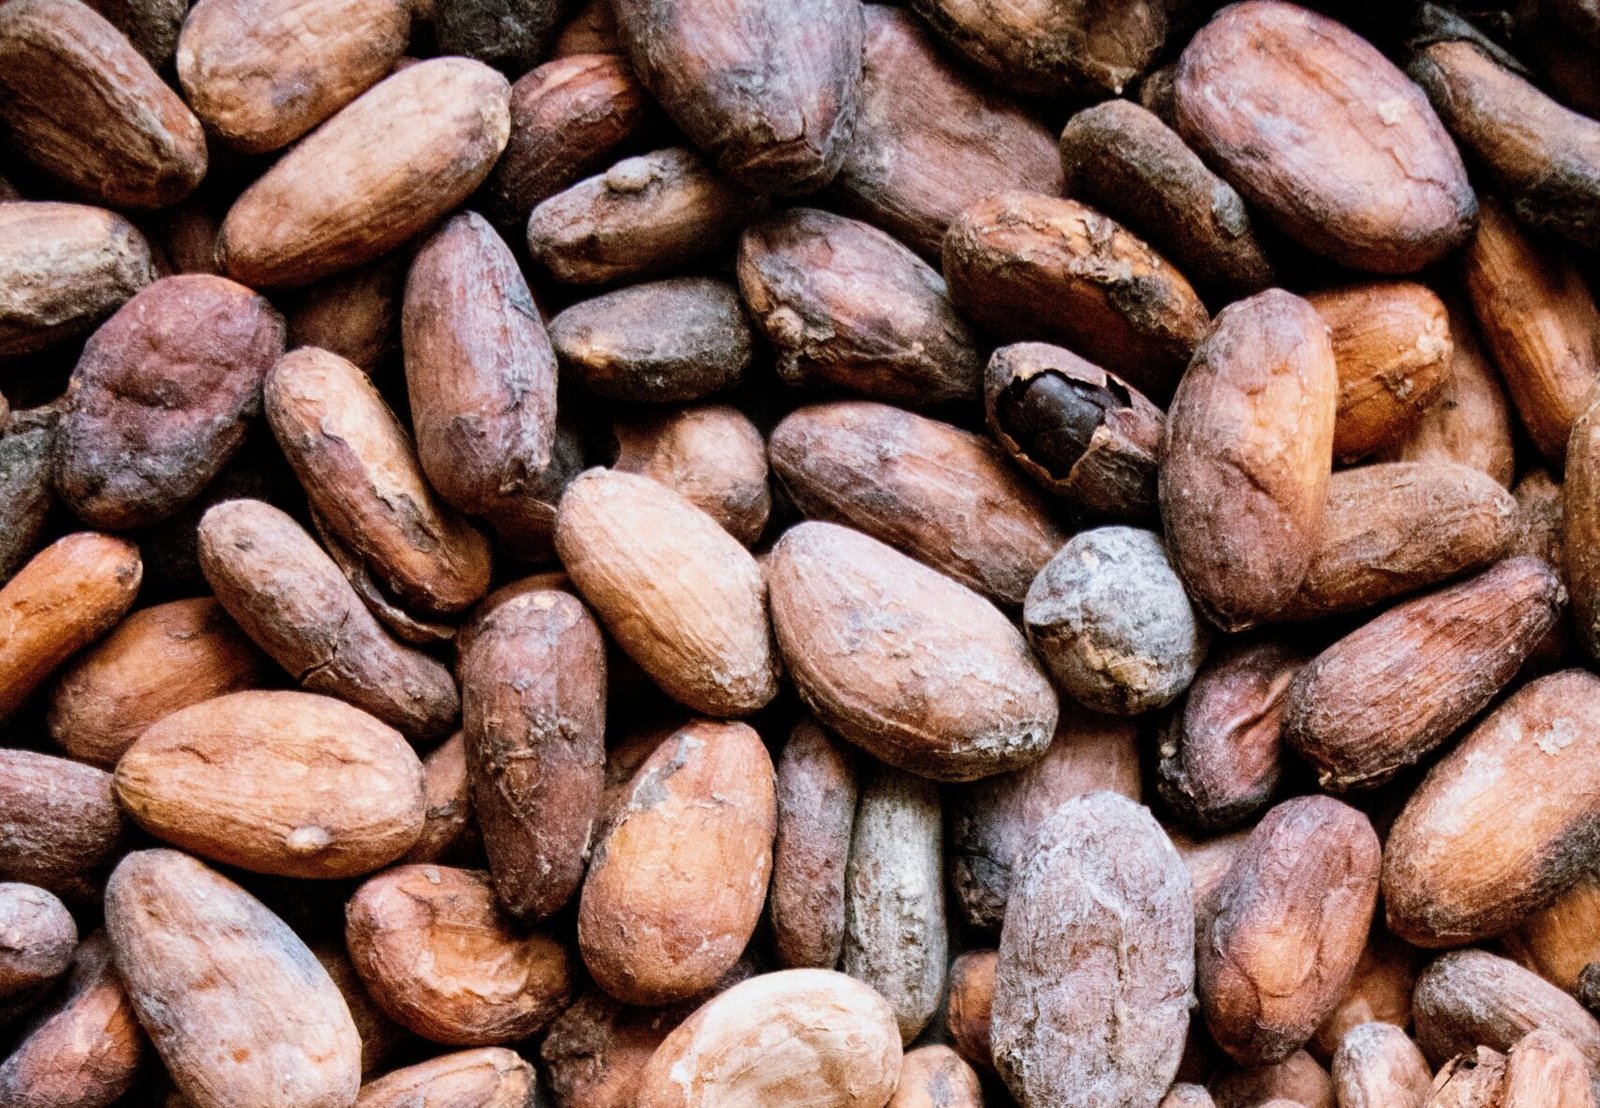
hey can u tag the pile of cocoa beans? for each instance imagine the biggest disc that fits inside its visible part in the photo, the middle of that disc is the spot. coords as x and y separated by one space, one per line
799 554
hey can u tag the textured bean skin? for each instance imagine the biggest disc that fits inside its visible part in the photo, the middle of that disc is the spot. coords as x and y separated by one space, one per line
238 1007
1100 925
533 707
1290 924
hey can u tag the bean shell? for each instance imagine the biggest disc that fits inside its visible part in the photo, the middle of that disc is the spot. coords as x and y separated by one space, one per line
385 167
277 782
1100 923
903 661
675 590
677 883
440 957
800 1036
1455 869
261 73
240 1011
1268 92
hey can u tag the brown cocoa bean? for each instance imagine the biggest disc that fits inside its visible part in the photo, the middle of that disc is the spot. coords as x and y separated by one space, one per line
365 483
1580 525
1123 160
1290 924
930 139
1319 130
1540 324
1470 998
1543 157
1298 1079
385 167
970 996
1078 49
936 1077
1030 267
1246 458
800 1036
533 712
768 92
569 118
155 662
1378 1066
440 957
677 883
711 455
1389 529
160 399
68 595
1095 972
276 782
1547 1071
1561 939
1379 991
903 661
595 1051
1389 692
993 822
37 938
151 25
354 314
238 1008
62 268
510 35
1469 422
1221 747
381 1037
86 1051
448 829
847 306
675 590
1471 1080
261 73
642 216
1455 868
480 374
489 1077
26 492
669 341
816 791
1392 347
938 493
290 597
62 828
81 105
